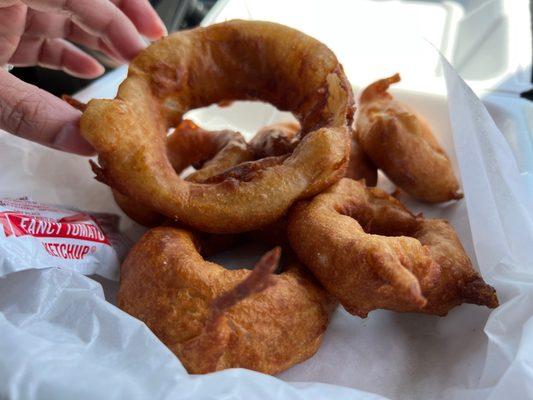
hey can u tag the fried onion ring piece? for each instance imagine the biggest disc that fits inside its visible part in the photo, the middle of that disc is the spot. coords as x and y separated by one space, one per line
137 212
187 145
402 144
459 282
74 103
275 140
370 252
220 154
280 139
195 68
213 318
190 145
360 166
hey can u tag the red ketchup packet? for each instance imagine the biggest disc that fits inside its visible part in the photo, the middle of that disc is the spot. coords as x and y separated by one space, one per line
36 235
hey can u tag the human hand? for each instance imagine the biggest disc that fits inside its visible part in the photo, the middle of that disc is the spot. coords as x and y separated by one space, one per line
33 32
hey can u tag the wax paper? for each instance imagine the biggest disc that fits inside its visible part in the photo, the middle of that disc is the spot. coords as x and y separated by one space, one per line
61 336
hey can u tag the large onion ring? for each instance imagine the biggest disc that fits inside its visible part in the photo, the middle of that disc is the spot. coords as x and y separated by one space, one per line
370 252
228 61
213 318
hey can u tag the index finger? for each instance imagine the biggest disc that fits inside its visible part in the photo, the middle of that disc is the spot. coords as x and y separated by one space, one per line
36 115
101 18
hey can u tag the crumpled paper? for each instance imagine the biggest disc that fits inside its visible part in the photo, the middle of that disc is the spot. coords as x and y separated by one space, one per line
62 339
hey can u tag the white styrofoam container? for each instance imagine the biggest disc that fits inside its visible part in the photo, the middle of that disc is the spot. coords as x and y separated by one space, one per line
492 50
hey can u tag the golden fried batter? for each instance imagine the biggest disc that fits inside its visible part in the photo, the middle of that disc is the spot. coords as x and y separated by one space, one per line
275 140
190 145
213 318
281 139
195 68
401 144
360 166
219 155
370 252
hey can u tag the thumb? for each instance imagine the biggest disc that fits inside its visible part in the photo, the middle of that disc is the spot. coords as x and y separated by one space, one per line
39 116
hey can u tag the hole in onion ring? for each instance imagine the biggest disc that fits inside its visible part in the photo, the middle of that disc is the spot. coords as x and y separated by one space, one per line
240 116
245 256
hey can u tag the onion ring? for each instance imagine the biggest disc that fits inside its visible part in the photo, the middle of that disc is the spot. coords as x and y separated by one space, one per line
195 68
230 161
275 140
213 318
190 145
401 144
370 252
360 166
280 139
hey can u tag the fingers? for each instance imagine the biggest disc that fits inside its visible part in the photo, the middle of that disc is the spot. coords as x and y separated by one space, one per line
49 25
8 3
56 54
103 19
34 114
143 17
78 35
11 28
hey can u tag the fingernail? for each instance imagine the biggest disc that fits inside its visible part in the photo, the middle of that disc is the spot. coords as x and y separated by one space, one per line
164 29
70 140
91 72
156 29
98 70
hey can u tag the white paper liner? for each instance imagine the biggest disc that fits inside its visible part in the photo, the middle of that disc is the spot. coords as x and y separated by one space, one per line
61 339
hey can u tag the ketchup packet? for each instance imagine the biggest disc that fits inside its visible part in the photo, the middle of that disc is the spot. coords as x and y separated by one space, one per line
36 235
